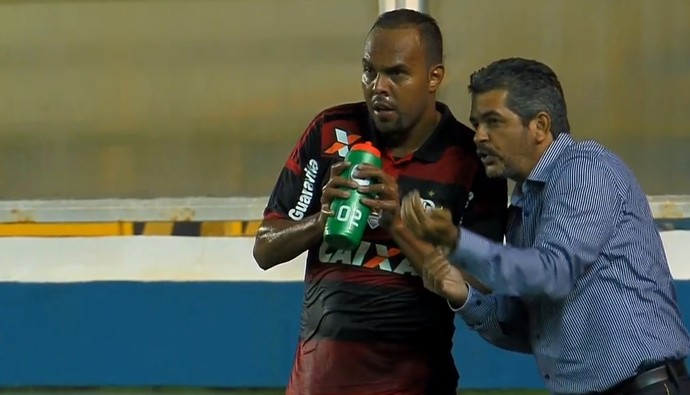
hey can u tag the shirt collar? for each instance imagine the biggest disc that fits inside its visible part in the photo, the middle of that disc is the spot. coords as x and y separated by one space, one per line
546 163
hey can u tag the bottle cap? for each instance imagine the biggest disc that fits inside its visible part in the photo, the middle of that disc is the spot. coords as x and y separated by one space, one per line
368 147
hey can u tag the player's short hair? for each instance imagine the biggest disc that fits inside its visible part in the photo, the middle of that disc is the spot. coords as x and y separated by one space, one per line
532 88
427 26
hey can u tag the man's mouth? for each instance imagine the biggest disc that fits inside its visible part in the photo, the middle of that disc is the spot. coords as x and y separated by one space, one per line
486 156
382 107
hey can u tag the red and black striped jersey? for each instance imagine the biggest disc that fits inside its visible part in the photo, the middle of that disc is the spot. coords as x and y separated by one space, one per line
368 325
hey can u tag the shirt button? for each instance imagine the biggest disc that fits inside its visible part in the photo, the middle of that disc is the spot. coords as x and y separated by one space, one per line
546 376
479 303
538 337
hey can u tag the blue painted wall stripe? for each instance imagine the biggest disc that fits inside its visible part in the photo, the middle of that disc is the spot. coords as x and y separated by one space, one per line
209 334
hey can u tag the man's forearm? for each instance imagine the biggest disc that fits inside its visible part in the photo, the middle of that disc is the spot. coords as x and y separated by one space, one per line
413 248
280 240
416 250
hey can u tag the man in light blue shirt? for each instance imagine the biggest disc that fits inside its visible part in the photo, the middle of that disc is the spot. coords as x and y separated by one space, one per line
583 282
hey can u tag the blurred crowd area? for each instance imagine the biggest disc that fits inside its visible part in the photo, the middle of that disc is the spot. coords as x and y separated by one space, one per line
178 98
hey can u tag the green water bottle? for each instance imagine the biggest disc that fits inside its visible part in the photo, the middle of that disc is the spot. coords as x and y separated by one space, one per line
345 228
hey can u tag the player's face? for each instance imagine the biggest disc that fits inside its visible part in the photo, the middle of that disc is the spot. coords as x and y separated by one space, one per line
395 78
505 146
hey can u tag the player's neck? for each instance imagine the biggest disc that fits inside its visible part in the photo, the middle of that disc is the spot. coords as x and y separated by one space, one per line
411 140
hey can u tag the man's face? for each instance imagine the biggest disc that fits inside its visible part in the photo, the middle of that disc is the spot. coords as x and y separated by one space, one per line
505 146
395 78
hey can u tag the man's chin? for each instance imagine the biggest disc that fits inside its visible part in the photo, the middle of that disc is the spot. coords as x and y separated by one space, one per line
387 126
493 171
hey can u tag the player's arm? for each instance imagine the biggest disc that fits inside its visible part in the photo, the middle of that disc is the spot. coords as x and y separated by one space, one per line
292 220
280 240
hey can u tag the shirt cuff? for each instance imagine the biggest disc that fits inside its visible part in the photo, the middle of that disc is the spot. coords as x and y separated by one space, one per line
472 250
469 296
477 308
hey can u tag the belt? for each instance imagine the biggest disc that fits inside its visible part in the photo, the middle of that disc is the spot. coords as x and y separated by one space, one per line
670 370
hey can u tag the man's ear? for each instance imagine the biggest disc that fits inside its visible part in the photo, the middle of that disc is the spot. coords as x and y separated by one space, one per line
436 75
541 127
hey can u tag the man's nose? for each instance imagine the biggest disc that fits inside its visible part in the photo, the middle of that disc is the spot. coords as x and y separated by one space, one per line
480 135
382 84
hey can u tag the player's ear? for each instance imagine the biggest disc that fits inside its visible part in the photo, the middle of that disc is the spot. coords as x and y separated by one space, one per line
436 74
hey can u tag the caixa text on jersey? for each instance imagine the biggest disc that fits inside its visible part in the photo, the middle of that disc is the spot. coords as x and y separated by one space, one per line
369 255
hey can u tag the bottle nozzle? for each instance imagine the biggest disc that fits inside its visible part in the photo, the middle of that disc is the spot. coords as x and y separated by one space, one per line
368 147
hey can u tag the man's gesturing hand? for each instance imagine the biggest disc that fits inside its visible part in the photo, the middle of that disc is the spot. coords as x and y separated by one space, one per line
443 279
435 226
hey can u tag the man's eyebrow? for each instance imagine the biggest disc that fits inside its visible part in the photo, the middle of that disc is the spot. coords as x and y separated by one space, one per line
474 119
398 67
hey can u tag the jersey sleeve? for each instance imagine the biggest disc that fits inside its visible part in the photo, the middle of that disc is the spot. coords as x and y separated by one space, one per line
297 191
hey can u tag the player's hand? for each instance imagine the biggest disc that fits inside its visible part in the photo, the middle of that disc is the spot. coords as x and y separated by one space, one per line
333 189
443 279
435 225
385 188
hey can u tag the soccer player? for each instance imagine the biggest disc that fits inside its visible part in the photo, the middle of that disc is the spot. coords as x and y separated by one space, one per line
368 324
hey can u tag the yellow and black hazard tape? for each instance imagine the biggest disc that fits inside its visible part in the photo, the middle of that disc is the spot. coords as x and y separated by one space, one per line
154 228
180 228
